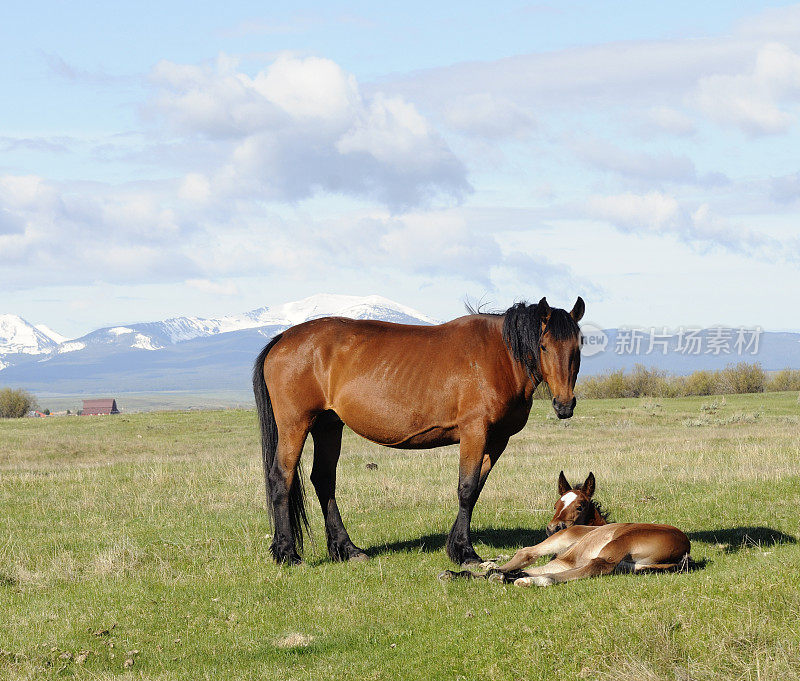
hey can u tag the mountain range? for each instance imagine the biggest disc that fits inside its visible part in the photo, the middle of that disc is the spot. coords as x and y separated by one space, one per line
195 354
181 353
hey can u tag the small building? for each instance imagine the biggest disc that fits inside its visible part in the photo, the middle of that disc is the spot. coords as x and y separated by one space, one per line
100 407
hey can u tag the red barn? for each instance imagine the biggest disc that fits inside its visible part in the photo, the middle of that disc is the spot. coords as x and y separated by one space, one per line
99 407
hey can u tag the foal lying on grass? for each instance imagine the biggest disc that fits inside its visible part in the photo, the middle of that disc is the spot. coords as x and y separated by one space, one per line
586 545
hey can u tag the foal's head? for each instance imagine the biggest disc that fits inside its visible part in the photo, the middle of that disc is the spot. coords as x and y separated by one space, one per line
575 506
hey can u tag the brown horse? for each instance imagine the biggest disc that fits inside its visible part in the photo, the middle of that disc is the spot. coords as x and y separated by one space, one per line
469 381
586 545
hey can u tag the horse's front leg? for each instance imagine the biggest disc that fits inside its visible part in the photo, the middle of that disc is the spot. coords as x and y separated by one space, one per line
476 457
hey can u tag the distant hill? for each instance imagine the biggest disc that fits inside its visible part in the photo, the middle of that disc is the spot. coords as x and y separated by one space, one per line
183 353
198 355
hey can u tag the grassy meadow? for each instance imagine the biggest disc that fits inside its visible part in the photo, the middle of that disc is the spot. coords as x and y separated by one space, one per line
137 546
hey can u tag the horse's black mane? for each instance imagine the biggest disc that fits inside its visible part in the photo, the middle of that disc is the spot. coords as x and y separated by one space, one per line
522 331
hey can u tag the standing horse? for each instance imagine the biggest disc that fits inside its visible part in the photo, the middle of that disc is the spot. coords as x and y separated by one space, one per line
469 381
586 545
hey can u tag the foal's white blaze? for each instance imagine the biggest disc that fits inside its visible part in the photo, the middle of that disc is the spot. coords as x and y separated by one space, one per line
568 498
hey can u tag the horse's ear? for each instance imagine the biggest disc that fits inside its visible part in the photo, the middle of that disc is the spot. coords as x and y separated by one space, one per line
543 310
588 486
563 485
578 309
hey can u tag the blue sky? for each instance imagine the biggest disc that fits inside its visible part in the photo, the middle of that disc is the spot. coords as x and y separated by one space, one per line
211 159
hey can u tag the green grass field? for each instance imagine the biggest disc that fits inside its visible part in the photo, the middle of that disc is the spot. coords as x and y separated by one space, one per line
148 533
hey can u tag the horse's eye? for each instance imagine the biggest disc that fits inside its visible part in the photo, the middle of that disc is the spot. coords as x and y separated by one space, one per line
542 348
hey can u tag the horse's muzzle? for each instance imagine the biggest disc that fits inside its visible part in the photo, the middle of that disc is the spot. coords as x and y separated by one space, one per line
552 528
564 411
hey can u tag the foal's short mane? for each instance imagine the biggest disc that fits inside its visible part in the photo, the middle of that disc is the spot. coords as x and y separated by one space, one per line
605 515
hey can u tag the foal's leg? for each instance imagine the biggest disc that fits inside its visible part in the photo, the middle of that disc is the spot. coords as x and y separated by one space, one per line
474 446
605 563
594 568
553 545
281 478
656 567
327 438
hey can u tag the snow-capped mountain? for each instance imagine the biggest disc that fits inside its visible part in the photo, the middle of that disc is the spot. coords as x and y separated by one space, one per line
47 331
181 329
18 336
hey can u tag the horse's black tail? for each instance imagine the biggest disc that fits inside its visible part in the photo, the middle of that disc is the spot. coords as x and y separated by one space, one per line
269 445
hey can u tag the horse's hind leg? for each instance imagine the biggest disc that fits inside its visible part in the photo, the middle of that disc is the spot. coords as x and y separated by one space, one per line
285 494
327 436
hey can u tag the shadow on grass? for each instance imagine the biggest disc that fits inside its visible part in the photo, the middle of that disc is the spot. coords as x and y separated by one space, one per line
736 538
493 537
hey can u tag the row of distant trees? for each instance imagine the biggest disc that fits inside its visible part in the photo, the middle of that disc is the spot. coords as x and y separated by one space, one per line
648 382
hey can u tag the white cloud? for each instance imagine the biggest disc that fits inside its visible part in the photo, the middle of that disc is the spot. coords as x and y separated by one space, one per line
10 223
66 235
24 191
773 23
124 235
301 126
59 67
670 120
488 116
621 74
313 89
755 101
661 167
654 212
659 213
195 187
440 244
217 288
747 78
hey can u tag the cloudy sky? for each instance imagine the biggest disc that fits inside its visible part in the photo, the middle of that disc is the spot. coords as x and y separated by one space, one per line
206 161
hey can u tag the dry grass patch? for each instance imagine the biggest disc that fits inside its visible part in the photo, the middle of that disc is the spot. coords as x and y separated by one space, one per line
294 640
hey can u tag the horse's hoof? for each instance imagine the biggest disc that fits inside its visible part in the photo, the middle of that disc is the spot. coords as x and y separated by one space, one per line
450 575
360 557
543 580
292 559
523 581
470 560
487 565
496 577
